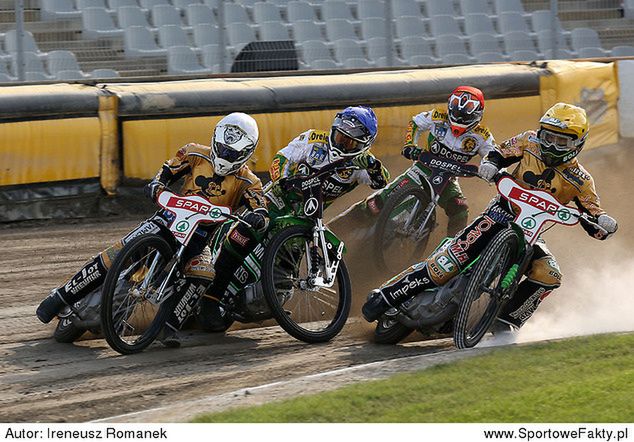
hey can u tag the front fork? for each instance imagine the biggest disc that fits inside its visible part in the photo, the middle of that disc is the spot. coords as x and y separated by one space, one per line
158 296
330 268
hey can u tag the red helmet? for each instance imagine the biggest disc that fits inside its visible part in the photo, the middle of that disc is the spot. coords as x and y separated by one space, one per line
465 108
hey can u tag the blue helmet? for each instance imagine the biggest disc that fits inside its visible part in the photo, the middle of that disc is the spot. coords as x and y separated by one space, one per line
353 131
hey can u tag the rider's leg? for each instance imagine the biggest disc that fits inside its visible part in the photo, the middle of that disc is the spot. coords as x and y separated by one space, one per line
436 270
455 205
199 274
542 278
90 277
240 241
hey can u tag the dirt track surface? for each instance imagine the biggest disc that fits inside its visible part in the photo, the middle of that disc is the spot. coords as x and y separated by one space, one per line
41 380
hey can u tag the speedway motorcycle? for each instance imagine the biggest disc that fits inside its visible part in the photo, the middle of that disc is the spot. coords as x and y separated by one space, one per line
295 275
470 302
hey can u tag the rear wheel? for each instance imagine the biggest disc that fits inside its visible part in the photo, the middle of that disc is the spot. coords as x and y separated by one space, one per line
308 312
400 238
482 297
66 332
130 321
389 331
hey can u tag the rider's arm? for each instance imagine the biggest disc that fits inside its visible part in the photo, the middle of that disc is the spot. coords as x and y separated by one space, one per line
510 151
253 198
284 161
418 124
588 202
488 142
372 172
175 168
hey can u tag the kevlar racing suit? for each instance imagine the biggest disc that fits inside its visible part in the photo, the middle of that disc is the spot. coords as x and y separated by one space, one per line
568 182
192 163
310 149
442 142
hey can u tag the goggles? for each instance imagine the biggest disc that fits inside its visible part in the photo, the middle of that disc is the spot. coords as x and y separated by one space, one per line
346 143
227 153
558 141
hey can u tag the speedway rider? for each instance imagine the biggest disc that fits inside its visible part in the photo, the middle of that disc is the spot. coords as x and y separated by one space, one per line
218 173
352 133
456 134
545 160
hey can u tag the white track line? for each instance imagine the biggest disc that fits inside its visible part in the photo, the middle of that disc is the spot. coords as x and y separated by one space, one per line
186 410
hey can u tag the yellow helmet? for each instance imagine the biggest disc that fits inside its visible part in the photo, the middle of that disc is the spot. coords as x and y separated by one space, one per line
562 133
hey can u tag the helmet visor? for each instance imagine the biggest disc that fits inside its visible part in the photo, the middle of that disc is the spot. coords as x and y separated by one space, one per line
346 143
560 142
226 153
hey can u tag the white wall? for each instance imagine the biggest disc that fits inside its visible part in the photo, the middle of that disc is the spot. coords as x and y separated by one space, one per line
626 98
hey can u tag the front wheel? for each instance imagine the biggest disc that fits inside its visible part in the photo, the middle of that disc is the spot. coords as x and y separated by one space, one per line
401 237
310 313
482 296
130 321
389 331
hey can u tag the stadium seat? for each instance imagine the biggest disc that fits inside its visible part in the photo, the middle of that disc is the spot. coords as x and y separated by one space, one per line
149 4
508 6
239 35
197 14
545 42
273 30
183 60
235 13
356 63
211 57
32 63
456 59
165 15
323 64
247 3
403 8
444 24
370 9
213 4
482 43
183 4
59 10
560 54
337 29
315 50
97 23
589 52
104 73
61 61
83 4
439 7
584 38
299 10
512 22
6 78
28 42
395 62
524 55
410 27
138 41
489 57
518 41
206 34
622 51
542 20
450 44
131 16
172 35
346 48
373 27
116 4
422 60
37 76
415 46
377 48
335 9
266 12
70 75
306 30
478 24
475 7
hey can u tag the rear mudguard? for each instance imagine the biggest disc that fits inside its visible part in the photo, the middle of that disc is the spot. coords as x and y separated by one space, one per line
282 222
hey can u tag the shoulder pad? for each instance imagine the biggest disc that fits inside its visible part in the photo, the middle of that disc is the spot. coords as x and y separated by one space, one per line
483 131
436 115
318 136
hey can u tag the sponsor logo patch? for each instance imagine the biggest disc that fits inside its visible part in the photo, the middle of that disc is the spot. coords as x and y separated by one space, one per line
239 238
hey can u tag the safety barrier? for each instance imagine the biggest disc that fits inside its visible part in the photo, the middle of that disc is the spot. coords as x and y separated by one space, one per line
70 143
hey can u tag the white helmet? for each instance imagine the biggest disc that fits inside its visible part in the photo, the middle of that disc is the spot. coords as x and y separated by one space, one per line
233 142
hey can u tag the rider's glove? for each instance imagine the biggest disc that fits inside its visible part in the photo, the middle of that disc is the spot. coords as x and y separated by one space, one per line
153 188
607 223
411 152
256 220
487 170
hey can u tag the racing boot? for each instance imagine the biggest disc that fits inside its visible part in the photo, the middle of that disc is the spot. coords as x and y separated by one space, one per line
50 306
375 306
521 307
210 316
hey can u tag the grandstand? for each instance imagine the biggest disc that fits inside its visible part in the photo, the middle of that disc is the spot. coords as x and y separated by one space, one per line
81 39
